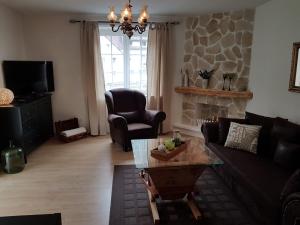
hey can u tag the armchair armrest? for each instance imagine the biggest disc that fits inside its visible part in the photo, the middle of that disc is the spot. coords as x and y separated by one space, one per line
210 132
291 210
290 196
117 121
153 117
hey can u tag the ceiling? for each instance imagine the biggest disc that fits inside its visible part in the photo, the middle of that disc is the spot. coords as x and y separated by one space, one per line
156 7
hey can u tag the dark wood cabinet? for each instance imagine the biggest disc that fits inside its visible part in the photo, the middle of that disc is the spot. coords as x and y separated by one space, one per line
28 123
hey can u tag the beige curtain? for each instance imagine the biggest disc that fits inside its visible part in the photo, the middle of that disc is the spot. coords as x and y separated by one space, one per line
159 88
93 77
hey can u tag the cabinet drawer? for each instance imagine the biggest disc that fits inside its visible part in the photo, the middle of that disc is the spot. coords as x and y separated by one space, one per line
27 112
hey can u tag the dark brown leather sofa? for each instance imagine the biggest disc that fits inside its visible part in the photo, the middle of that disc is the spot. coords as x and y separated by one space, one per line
128 119
269 188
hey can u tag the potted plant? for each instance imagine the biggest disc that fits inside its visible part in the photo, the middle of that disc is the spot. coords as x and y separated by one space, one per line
205 75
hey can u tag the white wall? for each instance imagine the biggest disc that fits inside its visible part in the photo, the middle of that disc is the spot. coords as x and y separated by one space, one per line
276 28
52 37
176 64
11 37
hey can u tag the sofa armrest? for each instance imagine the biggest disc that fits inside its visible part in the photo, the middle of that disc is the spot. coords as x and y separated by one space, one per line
210 132
117 121
291 210
154 118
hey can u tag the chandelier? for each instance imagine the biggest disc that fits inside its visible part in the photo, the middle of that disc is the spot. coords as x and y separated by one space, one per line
126 23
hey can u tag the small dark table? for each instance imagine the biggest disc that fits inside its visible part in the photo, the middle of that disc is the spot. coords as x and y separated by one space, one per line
44 219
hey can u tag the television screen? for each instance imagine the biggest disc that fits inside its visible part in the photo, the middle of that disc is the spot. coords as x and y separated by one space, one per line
28 77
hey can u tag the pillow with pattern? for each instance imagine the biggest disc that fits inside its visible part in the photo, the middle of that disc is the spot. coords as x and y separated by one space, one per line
243 137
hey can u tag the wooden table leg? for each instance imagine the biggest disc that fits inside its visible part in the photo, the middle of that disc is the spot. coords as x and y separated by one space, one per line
193 206
153 208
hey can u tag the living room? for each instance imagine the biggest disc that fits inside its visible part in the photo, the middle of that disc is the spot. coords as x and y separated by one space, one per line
194 64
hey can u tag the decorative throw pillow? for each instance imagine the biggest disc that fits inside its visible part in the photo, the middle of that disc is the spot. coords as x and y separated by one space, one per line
243 137
287 155
224 125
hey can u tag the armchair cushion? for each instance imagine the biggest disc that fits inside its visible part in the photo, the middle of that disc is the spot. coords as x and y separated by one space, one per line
131 117
139 130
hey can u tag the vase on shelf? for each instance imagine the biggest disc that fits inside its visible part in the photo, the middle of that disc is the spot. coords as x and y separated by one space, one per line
205 83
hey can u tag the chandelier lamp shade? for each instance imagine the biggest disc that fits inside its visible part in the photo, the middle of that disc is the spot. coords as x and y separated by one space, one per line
6 96
127 26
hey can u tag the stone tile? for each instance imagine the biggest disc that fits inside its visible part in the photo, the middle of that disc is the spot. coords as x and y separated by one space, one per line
224 26
236 50
203 64
220 57
238 38
209 58
189 22
212 26
195 22
187 58
247 39
229 54
201 31
229 66
204 19
204 41
228 40
216 36
199 51
247 56
214 49
195 62
195 38
188 47
243 25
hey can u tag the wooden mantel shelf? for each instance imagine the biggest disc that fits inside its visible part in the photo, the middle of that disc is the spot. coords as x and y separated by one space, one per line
214 92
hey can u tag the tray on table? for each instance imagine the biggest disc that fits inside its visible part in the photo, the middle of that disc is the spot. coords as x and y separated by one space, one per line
167 154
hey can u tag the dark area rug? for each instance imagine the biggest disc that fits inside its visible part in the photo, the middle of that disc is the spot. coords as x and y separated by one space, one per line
43 219
130 205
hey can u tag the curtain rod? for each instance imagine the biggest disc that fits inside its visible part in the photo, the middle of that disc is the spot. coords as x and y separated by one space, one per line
107 22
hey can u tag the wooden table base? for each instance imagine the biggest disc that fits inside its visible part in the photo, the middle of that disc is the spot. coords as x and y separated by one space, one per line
189 200
171 184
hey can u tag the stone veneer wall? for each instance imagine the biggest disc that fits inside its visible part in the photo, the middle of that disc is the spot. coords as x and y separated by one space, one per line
219 41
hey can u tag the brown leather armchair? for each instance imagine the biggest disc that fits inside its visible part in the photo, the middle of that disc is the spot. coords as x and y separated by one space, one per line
128 119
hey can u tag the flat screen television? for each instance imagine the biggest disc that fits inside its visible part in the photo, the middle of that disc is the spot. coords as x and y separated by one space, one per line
28 77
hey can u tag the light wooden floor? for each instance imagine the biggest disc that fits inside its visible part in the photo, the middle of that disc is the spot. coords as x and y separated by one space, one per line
74 179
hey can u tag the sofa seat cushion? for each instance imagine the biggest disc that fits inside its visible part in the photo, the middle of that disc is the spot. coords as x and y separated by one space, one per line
261 177
138 130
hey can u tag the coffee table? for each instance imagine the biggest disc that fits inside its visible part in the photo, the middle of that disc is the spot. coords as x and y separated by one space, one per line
173 179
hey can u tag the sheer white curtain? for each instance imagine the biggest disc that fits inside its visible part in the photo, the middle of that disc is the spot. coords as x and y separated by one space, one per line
93 77
159 88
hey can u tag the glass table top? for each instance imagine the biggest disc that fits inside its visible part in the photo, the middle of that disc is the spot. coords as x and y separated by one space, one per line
196 153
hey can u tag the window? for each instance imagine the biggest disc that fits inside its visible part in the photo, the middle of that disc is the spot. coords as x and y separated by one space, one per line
124 60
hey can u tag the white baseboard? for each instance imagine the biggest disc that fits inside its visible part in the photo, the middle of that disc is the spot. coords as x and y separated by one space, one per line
188 130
